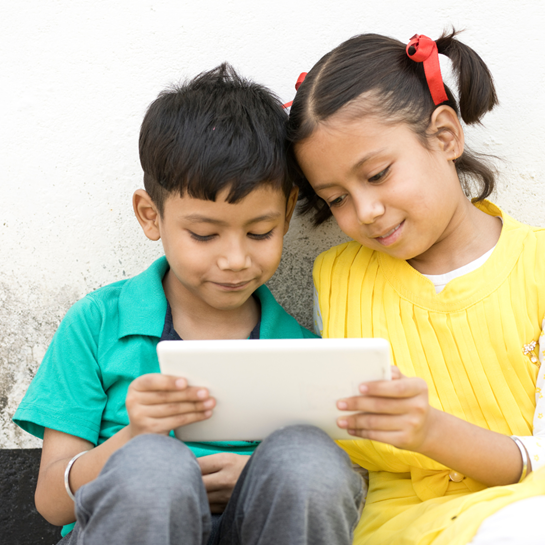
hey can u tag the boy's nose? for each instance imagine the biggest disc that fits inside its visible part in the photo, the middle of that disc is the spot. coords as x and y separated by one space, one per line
234 261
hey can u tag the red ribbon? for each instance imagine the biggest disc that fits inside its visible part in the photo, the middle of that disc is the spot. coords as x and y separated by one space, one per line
300 80
423 49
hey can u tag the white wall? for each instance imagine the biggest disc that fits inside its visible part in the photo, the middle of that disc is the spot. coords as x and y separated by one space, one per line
77 77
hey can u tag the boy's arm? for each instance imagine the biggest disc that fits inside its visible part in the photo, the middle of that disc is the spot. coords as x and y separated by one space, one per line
155 404
52 501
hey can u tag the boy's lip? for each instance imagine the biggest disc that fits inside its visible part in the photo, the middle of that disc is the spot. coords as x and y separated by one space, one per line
232 286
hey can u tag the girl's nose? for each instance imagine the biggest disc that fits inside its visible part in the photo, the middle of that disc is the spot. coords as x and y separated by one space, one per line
368 210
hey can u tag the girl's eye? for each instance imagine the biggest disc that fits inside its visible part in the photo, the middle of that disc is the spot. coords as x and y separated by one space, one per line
380 175
336 202
263 236
201 238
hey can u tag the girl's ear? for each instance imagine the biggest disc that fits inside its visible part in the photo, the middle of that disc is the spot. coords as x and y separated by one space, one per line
147 214
446 128
290 207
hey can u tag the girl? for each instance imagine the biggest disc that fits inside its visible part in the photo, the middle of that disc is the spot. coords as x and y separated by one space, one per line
452 283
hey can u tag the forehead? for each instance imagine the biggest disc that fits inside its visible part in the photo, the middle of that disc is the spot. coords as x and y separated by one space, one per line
340 145
263 202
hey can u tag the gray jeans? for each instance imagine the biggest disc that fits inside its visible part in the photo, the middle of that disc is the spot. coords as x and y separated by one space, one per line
297 488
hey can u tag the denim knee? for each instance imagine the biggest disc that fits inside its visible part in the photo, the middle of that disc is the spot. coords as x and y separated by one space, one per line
305 457
151 463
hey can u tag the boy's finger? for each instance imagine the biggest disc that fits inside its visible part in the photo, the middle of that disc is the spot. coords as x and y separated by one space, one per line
157 381
173 422
165 410
211 464
155 397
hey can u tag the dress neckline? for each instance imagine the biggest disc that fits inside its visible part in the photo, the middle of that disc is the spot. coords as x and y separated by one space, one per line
465 290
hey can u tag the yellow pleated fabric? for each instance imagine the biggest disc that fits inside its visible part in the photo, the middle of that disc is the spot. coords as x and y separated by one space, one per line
467 343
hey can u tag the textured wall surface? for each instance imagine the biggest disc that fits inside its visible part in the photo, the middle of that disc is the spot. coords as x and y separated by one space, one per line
78 76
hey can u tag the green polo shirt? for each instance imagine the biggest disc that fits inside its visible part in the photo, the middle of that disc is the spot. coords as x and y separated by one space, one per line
105 341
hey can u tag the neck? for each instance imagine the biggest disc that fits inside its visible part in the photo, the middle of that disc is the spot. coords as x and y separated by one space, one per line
194 319
470 234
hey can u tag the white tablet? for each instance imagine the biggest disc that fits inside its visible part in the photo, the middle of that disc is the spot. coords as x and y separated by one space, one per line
263 385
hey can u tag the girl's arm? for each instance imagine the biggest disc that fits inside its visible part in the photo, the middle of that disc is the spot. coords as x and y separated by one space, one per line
398 412
155 404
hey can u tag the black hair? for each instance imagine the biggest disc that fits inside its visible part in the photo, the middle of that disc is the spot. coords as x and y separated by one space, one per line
396 90
213 132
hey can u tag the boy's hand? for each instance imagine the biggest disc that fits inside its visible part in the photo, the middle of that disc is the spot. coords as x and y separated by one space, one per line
159 403
395 412
220 473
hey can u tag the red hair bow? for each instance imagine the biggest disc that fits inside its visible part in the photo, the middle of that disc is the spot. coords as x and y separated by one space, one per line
300 80
423 49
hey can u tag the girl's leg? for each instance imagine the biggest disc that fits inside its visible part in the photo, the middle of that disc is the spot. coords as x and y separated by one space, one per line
150 492
298 488
520 522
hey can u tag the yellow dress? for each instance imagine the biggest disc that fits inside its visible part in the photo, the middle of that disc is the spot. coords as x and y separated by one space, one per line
467 342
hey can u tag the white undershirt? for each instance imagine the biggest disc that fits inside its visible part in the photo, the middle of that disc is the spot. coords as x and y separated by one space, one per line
441 280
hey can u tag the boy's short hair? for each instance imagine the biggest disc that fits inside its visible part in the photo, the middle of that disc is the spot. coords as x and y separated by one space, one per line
215 131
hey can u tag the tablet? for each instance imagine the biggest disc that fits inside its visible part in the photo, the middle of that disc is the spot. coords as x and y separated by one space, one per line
263 385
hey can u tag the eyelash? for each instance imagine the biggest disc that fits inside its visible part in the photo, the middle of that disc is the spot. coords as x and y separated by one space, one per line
206 238
376 178
380 175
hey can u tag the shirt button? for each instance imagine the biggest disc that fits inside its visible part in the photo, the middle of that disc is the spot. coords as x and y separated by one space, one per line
456 477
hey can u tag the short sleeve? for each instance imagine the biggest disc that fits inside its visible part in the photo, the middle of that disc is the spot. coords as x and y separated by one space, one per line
535 444
67 392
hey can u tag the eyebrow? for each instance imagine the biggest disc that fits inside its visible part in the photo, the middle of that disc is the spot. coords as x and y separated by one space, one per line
198 218
354 167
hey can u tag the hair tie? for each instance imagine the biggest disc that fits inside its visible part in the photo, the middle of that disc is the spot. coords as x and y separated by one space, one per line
423 49
300 80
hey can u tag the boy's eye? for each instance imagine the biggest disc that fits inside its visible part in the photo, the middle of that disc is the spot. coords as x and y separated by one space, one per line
263 236
201 238
337 201
380 175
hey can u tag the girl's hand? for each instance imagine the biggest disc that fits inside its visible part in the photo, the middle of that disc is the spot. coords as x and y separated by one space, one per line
220 473
159 403
395 412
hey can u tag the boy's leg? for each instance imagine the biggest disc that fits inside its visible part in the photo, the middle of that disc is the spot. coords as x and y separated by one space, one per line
298 488
150 492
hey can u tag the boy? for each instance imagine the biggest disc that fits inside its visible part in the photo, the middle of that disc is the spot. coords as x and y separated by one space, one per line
218 197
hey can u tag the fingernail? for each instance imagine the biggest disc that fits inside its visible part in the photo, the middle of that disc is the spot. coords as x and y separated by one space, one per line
202 394
207 413
363 388
209 404
352 432
342 405
342 423
181 383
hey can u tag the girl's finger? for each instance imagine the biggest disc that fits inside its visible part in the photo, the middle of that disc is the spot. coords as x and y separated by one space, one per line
376 405
396 373
402 387
379 422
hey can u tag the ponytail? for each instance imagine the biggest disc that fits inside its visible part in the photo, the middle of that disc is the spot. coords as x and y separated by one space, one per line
372 74
476 91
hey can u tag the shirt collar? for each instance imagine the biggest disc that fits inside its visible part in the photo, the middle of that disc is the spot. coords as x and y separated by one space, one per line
142 302
143 307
